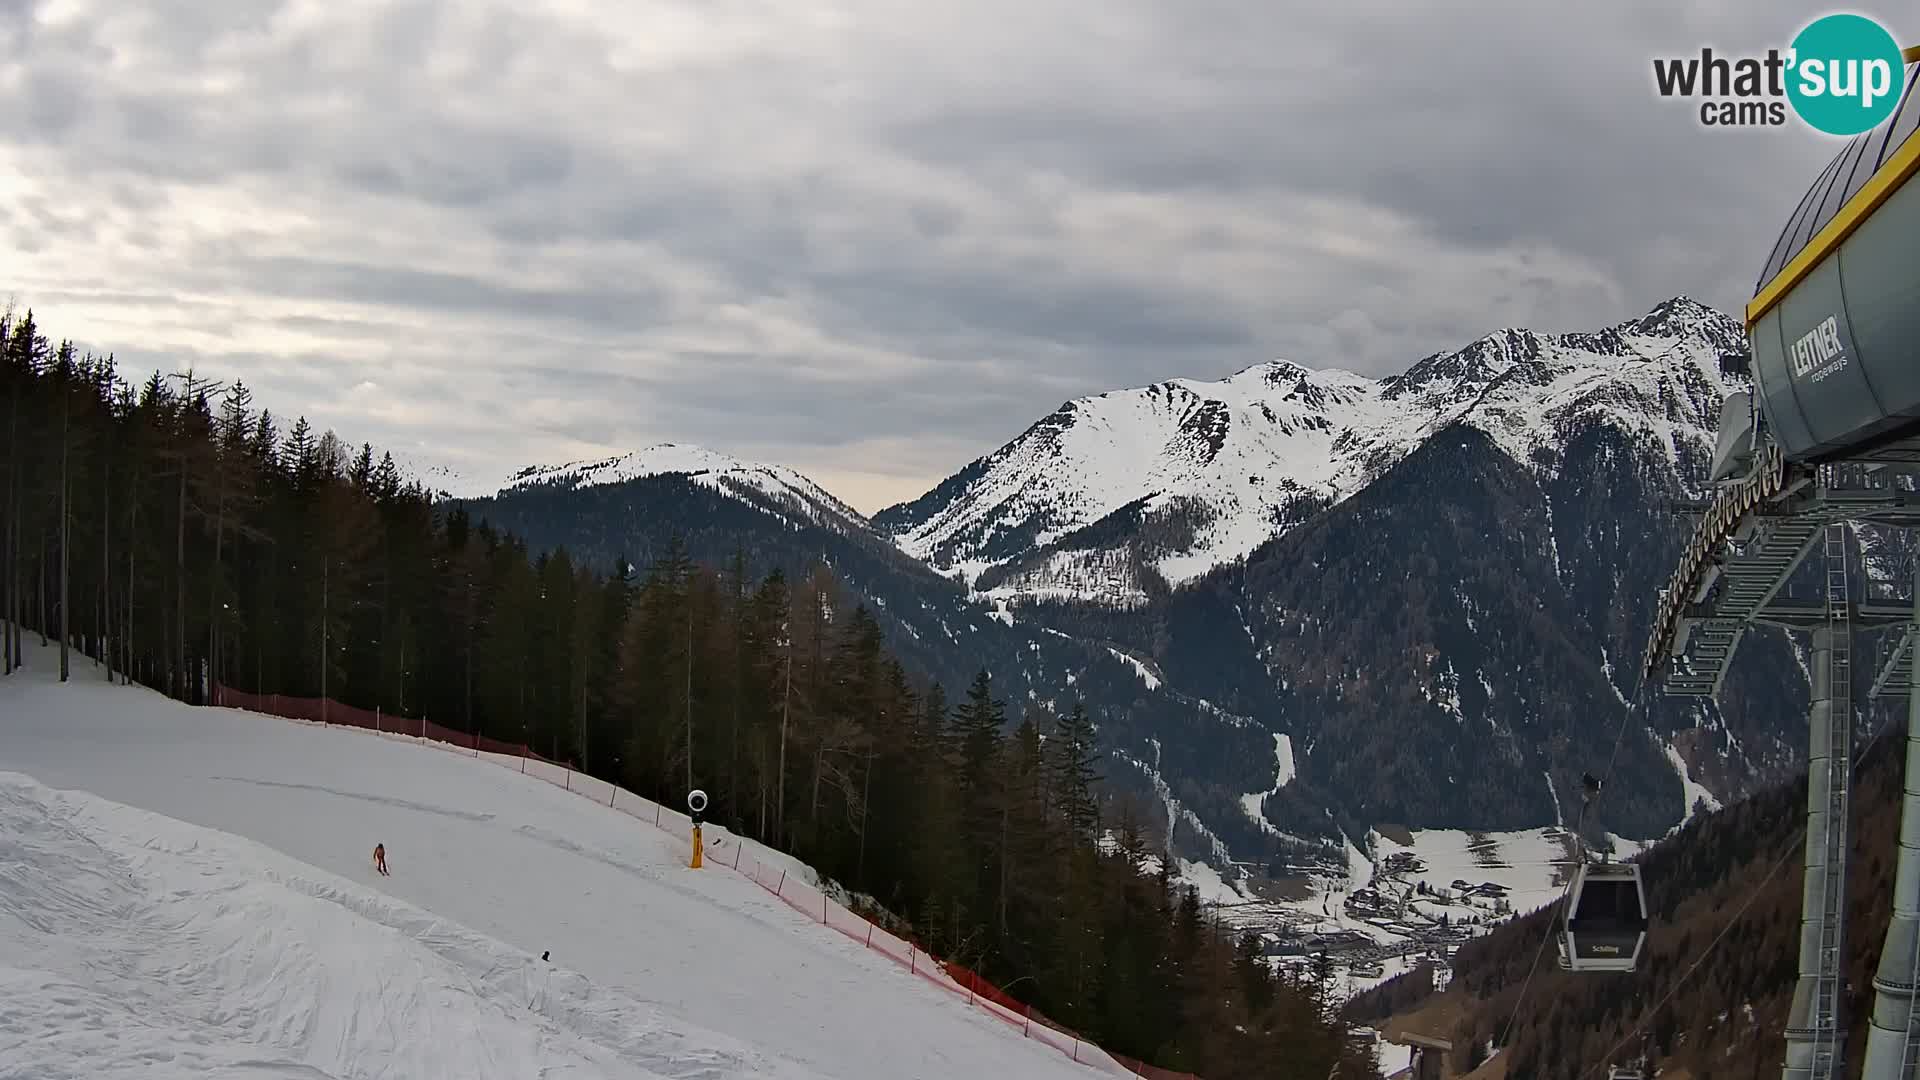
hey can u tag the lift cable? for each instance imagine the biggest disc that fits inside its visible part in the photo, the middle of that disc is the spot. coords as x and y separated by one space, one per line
1753 894
1579 848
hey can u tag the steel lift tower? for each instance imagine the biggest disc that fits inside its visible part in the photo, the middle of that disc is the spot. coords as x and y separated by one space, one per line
1830 435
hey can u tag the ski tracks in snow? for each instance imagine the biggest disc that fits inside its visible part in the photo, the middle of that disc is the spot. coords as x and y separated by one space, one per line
136 945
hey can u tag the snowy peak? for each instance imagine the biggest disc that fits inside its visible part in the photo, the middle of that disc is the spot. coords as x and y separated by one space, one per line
1184 475
1457 377
1683 316
757 483
1274 373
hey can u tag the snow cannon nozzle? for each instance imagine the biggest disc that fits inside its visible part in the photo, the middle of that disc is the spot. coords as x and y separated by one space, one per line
697 803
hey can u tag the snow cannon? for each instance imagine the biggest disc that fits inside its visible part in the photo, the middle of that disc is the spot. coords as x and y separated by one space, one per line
696 805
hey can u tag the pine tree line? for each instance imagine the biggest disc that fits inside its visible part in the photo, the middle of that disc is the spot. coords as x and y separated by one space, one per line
175 536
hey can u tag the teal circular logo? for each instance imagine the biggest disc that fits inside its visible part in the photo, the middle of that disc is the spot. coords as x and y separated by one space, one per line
1845 74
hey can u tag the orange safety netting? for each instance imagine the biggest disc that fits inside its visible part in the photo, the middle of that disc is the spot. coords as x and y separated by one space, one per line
723 849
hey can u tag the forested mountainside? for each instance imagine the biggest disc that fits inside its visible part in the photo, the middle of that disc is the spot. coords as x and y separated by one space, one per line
1189 761
1438 587
1443 648
1449 605
177 536
1726 890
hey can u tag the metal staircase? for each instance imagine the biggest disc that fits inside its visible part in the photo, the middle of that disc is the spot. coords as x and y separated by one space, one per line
1738 587
1830 984
1743 555
1896 672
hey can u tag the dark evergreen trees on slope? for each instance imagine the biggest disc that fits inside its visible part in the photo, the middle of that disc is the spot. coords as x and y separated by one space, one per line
184 542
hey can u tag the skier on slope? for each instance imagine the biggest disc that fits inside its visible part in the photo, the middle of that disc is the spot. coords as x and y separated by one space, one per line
380 859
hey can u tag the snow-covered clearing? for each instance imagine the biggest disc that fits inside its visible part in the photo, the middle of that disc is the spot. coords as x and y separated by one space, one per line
1146 676
138 944
1254 803
1695 792
1523 863
1205 880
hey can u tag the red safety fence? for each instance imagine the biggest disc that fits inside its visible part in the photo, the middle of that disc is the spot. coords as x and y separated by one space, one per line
773 871
329 711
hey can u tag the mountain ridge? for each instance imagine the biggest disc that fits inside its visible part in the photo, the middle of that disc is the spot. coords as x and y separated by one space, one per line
1209 471
1454 701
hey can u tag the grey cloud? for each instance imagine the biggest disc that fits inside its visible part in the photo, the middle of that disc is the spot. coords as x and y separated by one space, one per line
449 293
747 225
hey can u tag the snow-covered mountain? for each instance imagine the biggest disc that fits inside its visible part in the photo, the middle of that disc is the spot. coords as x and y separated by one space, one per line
1427 588
774 487
1117 496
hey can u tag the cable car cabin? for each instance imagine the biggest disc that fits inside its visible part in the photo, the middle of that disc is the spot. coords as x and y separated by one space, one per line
1605 925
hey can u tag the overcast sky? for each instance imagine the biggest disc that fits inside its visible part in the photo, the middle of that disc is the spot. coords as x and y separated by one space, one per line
871 239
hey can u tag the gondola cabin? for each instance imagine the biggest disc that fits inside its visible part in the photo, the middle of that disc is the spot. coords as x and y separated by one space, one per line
1604 924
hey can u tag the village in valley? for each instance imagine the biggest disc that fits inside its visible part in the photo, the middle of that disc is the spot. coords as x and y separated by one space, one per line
1420 896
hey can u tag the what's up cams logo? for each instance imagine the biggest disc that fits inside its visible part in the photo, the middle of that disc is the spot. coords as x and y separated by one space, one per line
1842 75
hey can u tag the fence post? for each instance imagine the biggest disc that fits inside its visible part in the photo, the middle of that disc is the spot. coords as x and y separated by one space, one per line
523 759
615 793
869 933
823 908
736 853
569 784
376 720
656 815
783 883
1076 1051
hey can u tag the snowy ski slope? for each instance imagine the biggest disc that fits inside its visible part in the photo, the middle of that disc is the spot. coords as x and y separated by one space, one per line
189 892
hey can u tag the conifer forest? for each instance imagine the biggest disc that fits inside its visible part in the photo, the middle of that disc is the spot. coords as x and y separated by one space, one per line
173 532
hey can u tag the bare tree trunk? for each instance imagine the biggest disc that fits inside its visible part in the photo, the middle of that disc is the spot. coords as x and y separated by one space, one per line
470 632
325 565
260 648
6 562
19 590
386 595
66 535
813 807
866 790
8 515
213 579
106 565
126 638
180 585
780 798
42 589
689 686
1005 813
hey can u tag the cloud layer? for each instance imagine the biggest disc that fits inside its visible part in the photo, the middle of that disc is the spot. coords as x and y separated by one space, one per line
868 238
